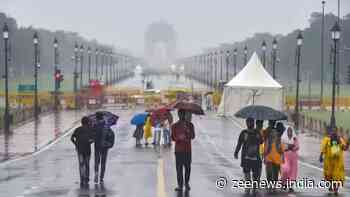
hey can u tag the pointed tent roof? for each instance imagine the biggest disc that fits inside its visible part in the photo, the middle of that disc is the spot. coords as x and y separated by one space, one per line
254 75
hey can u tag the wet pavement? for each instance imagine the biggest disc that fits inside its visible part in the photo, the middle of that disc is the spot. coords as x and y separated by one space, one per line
32 136
146 172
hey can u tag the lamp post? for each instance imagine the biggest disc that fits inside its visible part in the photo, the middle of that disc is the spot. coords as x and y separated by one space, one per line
215 70
81 66
299 44
101 66
36 43
89 63
221 55
274 57
245 55
208 69
227 64
5 34
322 54
96 64
335 34
56 78
235 61
75 76
263 47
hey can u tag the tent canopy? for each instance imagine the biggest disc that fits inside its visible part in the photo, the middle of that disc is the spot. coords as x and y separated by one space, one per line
254 75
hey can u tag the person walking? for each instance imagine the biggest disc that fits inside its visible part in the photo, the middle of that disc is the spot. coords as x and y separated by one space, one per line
289 170
332 157
182 134
273 156
259 126
138 134
166 133
82 138
104 140
248 143
157 133
148 130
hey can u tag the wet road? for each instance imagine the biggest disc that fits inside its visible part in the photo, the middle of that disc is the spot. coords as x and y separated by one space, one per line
140 172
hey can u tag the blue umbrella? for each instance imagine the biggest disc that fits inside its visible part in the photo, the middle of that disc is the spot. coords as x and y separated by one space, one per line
109 118
139 119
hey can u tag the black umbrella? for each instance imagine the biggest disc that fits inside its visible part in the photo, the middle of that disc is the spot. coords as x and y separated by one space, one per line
110 118
260 112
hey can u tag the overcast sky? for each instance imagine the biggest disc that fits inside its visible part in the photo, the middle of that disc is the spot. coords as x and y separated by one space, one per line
199 23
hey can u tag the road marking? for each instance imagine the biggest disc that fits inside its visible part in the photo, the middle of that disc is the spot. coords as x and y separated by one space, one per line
301 162
160 179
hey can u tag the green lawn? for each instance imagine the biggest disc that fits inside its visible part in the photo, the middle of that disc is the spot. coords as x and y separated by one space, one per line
342 118
316 89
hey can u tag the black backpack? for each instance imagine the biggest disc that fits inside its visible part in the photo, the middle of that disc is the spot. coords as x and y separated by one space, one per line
107 138
251 141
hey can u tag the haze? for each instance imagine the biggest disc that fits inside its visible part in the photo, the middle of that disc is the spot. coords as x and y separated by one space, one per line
199 24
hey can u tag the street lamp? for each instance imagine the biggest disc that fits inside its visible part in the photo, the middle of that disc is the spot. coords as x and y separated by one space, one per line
274 57
227 64
221 66
56 78
102 63
245 54
75 75
96 64
335 34
263 47
322 53
5 34
299 44
36 43
235 53
81 66
89 64
215 70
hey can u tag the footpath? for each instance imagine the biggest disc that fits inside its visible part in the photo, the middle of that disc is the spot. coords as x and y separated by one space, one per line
31 137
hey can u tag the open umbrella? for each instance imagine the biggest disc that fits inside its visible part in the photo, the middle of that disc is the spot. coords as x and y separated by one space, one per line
139 119
109 118
260 112
160 115
207 93
190 107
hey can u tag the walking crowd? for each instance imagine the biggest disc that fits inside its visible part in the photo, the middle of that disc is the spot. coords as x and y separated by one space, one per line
278 151
274 147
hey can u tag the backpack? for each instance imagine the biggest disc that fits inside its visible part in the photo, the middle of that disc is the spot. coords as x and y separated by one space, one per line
107 138
251 140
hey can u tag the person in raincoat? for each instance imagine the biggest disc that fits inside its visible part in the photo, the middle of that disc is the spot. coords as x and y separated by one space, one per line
289 170
273 155
148 129
332 148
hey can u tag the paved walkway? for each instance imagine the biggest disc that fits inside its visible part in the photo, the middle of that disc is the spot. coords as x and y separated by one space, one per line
32 136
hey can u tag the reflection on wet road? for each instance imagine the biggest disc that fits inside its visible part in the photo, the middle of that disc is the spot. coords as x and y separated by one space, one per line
135 172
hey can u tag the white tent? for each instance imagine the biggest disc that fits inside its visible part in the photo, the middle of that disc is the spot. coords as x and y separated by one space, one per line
252 85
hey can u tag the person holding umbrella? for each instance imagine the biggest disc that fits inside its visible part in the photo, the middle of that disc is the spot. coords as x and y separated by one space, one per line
249 142
139 120
182 134
104 140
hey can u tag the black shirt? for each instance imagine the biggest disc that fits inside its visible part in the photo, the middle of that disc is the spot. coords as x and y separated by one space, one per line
82 138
